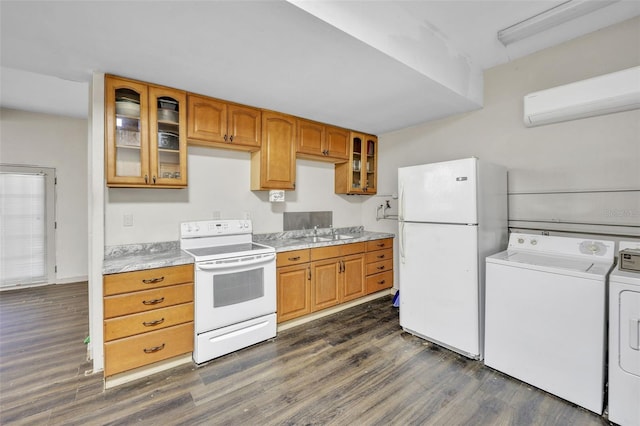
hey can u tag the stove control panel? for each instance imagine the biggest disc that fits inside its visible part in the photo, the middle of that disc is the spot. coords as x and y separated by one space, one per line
209 228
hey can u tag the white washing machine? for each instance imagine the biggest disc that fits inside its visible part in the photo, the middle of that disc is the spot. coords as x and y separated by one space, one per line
545 314
624 345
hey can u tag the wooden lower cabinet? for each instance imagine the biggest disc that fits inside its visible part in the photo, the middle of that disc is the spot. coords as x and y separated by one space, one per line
379 265
294 291
148 317
311 280
325 284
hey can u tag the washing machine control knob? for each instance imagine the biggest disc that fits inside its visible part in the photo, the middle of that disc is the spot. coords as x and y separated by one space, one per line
520 240
534 242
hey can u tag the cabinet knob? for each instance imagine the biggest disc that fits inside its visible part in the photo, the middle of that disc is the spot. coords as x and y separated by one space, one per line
225 137
294 258
231 138
381 267
146 179
154 179
381 282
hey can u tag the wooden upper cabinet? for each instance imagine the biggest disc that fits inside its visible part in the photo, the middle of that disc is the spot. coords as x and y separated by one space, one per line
318 141
337 142
274 166
145 143
215 123
359 175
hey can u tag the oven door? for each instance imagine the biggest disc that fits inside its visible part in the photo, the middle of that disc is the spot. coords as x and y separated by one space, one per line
230 291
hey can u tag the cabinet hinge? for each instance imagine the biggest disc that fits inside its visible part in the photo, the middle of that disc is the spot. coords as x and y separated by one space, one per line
55 268
55 225
55 180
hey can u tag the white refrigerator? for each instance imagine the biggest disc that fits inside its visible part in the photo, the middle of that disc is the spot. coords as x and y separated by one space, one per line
451 216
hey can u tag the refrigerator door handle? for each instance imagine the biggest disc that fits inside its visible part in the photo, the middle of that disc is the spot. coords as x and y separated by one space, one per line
401 245
401 204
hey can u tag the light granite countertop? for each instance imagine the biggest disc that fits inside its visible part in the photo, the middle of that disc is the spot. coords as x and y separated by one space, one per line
291 240
137 257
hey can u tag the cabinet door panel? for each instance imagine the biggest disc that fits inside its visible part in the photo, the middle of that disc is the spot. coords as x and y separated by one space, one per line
274 166
294 292
167 136
127 133
352 277
337 142
206 119
324 284
310 138
244 125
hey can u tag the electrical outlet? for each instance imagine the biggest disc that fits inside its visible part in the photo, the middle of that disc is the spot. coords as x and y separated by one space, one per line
127 219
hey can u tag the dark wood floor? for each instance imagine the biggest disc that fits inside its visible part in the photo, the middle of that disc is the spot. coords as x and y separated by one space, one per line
355 367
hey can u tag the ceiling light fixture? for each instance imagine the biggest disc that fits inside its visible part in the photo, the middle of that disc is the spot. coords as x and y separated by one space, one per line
550 18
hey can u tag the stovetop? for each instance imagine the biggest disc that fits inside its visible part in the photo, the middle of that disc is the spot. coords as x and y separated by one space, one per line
219 239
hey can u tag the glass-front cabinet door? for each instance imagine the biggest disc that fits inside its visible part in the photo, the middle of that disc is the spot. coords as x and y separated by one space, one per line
127 149
167 136
369 172
359 174
146 141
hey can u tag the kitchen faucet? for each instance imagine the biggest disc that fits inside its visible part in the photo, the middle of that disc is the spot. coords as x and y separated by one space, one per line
315 230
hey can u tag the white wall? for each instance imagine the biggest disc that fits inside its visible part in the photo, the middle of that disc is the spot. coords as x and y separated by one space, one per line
218 181
59 142
593 154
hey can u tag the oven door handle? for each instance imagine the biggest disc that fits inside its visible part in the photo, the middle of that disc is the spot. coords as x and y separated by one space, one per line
216 266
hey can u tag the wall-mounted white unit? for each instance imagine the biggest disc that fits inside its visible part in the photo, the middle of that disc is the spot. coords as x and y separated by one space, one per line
605 94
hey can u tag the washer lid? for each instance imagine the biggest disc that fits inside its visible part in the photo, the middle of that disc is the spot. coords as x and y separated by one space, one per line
552 263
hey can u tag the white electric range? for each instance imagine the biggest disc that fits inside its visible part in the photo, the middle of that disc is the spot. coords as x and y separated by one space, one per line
235 286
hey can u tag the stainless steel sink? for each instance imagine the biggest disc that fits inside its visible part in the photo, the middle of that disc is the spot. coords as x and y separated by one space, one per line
322 239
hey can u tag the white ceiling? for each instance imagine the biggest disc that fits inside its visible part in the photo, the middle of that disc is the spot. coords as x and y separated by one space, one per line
374 66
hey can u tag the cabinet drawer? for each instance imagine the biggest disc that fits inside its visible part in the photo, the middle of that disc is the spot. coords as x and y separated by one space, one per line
136 351
144 322
144 280
293 257
380 244
379 282
141 301
377 256
353 248
328 252
383 265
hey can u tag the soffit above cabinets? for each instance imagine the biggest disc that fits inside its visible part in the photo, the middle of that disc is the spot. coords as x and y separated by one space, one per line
370 66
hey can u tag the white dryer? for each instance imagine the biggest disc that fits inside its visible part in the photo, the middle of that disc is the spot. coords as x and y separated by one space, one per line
545 320
624 345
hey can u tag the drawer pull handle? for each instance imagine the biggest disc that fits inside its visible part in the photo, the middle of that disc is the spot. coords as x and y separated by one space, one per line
294 258
380 244
152 323
381 256
381 282
381 267
154 349
153 280
153 301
